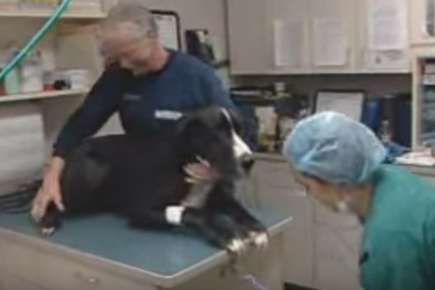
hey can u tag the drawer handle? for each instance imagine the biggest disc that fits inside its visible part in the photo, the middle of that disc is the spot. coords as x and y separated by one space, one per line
93 280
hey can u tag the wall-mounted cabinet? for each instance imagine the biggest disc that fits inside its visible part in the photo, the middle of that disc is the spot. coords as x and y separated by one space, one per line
318 36
250 42
382 36
332 36
422 22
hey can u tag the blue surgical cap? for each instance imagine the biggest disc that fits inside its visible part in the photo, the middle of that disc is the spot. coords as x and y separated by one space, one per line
334 148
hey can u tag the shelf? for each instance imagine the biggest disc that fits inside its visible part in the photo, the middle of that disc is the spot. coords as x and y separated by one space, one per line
41 95
46 13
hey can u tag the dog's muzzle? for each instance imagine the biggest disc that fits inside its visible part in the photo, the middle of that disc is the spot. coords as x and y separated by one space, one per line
240 147
247 161
242 153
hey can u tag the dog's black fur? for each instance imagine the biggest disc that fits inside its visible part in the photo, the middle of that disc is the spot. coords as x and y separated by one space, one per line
139 177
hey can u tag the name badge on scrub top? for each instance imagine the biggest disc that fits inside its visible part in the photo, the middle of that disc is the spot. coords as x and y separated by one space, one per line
167 115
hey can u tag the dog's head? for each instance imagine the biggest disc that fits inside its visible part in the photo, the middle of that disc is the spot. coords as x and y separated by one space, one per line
213 134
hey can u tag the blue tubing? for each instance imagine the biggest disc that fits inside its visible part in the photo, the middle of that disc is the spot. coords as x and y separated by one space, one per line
35 39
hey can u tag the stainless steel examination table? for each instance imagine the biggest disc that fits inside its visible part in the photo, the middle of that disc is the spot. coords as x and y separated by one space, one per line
101 252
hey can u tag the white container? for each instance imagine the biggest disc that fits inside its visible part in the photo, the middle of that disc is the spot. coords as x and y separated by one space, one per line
32 74
78 78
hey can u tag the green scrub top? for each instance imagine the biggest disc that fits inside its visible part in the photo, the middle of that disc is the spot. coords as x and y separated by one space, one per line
398 247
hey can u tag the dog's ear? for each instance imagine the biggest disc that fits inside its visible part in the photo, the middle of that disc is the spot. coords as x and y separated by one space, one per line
235 119
190 127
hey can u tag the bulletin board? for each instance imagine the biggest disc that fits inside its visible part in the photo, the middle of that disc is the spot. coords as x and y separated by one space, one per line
168 23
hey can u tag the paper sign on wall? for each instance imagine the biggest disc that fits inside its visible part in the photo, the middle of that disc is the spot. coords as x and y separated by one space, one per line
330 42
288 42
387 29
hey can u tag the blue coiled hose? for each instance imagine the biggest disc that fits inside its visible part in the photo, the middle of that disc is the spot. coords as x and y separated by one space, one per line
35 39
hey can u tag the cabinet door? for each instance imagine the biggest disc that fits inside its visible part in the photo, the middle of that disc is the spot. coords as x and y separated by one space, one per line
422 21
337 238
288 27
275 189
259 46
332 35
374 26
248 41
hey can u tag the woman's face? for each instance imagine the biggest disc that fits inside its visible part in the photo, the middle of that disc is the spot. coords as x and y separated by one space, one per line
326 193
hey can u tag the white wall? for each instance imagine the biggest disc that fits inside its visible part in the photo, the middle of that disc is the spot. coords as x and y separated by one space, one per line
209 14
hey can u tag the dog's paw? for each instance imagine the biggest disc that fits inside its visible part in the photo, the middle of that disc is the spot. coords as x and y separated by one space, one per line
259 239
237 247
47 232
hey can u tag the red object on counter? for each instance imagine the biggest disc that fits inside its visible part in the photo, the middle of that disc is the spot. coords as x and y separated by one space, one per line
48 87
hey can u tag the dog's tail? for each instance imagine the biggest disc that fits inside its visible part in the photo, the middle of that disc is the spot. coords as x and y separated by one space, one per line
19 201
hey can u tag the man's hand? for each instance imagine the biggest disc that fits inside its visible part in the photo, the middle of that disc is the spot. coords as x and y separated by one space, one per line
49 191
200 172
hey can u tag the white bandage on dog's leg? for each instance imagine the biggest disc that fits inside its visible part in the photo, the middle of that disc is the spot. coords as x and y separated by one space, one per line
174 214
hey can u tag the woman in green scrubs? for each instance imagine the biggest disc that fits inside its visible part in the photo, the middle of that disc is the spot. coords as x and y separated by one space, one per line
339 161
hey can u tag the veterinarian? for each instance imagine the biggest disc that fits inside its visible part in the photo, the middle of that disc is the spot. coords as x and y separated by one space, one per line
147 84
339 161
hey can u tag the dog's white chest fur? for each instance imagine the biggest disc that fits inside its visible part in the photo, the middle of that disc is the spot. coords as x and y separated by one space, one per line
198 195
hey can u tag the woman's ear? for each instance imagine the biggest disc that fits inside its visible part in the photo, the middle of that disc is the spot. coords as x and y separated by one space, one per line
236 120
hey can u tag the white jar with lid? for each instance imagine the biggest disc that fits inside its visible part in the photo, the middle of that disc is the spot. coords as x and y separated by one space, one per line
78 78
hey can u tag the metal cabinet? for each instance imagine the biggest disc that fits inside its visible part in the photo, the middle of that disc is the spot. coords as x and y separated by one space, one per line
275 189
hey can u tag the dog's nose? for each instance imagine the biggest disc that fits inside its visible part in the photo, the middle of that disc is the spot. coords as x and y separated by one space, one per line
247 161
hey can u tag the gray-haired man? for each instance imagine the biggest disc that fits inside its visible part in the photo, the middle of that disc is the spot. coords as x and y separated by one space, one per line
146 83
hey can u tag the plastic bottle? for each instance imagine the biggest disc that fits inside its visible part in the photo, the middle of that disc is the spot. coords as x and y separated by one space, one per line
385 133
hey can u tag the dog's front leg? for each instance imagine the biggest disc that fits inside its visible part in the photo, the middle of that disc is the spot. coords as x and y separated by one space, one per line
208 224
154 218
225 202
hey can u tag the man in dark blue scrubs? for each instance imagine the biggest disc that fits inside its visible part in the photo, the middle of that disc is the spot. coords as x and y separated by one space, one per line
147 84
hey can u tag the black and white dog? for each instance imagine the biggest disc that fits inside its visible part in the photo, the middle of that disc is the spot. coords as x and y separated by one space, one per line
143 179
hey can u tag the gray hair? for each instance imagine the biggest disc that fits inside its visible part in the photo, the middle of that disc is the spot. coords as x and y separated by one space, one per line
136 13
